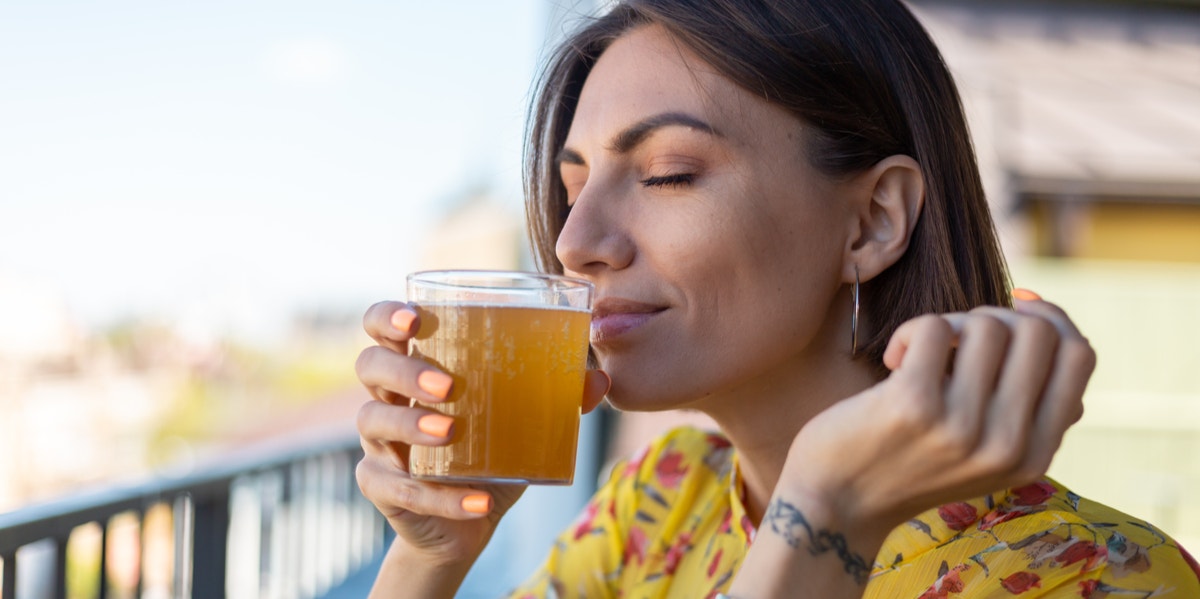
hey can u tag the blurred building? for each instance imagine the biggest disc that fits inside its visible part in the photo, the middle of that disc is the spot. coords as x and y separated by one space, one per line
1086 120
478 231
69 415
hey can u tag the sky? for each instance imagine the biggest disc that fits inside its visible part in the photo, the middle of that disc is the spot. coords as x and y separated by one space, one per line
236 161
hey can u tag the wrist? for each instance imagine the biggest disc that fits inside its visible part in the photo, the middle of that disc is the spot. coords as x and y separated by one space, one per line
846 511
806 541
408 573
824 530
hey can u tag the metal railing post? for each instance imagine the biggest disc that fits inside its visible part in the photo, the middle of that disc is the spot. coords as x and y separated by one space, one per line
60 567
9 588
211 535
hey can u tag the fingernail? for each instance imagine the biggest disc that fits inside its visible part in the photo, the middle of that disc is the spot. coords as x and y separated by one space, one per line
607 383
435 383
477 504
435 424
402 319
1025 294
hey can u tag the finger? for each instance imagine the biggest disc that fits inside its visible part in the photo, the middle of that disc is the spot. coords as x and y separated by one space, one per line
982 344
394 452
396 494
382 369
392 324
378 421
1062 403
1022 383
921 347
596 384
1051 312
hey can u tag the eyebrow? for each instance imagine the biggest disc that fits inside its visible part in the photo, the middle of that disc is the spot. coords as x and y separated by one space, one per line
631 136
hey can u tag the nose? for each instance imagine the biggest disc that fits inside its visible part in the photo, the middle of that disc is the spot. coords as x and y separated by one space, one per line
595 236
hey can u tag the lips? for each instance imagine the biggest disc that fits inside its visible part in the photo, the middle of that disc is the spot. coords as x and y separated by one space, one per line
613 318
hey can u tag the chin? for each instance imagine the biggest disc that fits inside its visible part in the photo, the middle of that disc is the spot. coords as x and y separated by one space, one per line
646 398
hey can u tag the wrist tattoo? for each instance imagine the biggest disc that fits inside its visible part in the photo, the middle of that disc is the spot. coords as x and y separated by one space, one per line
788 522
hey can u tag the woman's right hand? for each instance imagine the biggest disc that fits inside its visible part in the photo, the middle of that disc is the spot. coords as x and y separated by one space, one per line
441 523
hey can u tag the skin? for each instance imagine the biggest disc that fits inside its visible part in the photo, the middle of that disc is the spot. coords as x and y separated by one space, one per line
723 264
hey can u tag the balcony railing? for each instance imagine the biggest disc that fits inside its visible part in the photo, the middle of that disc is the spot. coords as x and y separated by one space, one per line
285 523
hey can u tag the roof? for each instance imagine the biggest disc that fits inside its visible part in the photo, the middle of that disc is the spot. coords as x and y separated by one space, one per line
1097 98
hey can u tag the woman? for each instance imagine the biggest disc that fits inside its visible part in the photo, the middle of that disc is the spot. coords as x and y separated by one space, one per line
780 209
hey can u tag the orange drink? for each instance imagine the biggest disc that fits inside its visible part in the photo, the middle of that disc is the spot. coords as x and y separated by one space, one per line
518 360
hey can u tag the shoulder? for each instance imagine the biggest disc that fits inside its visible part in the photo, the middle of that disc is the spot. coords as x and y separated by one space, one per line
1047 506
1091 547
1034 540
1127 547
1105 549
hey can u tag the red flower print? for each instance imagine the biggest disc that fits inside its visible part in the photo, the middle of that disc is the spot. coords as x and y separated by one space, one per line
1191 561
716 441
1082 550
1034 494
1087 587
958 516
1000 516
934 594
635 546
1075 552
585 520
748 527
1020 582
949 581
727 522
953 582
716 561
669 469
676 552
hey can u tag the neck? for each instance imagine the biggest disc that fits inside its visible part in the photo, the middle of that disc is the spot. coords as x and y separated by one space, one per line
763 417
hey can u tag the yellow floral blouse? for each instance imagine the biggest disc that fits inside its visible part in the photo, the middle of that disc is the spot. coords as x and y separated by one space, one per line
670 523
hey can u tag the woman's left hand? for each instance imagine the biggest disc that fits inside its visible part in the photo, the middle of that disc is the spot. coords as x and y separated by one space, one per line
976 402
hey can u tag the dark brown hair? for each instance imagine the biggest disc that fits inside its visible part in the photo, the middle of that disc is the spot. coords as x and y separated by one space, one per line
867 77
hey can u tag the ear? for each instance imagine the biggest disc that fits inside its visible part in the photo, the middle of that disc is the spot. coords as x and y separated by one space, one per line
887 201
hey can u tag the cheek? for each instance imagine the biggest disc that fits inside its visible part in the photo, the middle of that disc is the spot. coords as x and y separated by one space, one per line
777 269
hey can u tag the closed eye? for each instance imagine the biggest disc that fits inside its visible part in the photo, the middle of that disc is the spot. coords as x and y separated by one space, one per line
677 180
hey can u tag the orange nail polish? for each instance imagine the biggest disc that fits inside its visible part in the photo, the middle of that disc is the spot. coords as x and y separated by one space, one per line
435 383
435 424
477 504
402 319
1025 294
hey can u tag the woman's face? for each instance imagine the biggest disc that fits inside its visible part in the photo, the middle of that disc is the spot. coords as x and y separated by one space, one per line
715 248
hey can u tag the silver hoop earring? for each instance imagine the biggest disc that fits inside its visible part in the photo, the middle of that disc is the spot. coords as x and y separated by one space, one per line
854 318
